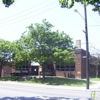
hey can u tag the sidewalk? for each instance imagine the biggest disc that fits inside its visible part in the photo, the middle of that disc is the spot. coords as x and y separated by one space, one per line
95 87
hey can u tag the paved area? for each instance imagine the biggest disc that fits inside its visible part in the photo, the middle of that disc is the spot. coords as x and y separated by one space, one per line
95 87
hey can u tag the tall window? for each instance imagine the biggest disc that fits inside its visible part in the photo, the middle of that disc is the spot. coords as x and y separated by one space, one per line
65 68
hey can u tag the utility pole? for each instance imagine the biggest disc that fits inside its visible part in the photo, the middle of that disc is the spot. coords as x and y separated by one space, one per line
87 48
64 5
87 44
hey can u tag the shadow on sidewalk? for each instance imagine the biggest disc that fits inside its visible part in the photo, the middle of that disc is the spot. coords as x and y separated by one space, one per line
42 98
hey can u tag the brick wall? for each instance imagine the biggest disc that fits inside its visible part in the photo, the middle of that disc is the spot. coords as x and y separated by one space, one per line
66 74
80 68
80 64
7 70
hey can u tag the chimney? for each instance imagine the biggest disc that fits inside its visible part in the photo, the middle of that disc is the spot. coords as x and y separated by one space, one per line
78 44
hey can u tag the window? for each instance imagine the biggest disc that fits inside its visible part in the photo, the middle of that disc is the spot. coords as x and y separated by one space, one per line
23 68
65 68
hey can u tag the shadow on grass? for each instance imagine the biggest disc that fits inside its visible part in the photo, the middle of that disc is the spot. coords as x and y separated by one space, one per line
58 81
48 81
41 98
9 78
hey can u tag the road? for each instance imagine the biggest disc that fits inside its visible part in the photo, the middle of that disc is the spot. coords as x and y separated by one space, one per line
14 91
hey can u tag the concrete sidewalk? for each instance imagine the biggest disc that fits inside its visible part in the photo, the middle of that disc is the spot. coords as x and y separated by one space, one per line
95 87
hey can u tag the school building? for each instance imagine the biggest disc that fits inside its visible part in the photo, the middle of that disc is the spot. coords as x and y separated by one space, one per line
77 70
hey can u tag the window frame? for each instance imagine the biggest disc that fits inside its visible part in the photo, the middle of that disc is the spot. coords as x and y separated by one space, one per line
66 68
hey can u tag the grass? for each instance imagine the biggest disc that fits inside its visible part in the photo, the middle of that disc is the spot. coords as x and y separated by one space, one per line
95 79
58 81
9 78
50 81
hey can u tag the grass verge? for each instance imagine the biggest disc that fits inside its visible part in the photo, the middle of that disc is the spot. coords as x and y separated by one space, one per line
95 79
50 81
9 78
58 81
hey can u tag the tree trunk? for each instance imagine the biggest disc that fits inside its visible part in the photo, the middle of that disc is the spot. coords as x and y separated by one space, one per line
43 72
29 65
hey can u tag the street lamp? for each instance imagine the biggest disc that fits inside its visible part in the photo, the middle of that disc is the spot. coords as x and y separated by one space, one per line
75 10
87 47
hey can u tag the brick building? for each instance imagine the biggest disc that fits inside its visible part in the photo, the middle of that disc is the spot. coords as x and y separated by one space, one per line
77 70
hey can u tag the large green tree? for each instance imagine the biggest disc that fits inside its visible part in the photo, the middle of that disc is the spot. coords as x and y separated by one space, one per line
70 3
21 52
5 54
47 46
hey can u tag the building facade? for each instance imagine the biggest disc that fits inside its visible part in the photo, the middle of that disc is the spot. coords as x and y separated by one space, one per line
78 70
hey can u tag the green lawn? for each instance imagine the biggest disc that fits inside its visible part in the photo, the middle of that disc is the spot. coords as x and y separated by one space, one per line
94 79
58 81
50 81
9 78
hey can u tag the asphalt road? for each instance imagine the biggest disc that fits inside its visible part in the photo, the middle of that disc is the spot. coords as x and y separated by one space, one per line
36 92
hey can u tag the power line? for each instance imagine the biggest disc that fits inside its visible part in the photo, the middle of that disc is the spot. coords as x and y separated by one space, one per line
23 11
92 18
30 16
2 5
27 13
93 25
97 50
95 39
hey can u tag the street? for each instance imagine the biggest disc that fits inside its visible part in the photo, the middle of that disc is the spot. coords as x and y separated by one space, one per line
35 92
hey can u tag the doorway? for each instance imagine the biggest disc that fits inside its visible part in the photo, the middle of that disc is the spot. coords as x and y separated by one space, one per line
34 70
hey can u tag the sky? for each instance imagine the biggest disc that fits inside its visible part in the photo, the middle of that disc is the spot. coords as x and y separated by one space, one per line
15 19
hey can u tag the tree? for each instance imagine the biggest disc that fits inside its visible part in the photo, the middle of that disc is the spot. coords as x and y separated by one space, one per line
95 61
47 46
70 3
5 54
21 52
7 3
66 3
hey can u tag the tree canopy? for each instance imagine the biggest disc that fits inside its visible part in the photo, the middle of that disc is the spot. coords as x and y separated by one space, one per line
5 54
7 3
40 44
47 46
66 3
70 3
